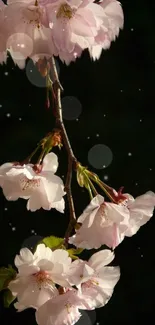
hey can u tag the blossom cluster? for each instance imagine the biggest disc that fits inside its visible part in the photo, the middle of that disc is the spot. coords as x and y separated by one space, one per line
64 28
101 223
57 287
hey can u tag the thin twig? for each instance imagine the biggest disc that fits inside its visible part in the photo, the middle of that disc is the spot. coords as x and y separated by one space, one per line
71 158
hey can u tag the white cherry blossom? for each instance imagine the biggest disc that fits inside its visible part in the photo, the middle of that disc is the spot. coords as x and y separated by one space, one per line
42 189
37 275
63 309
94 279
108 223
103 223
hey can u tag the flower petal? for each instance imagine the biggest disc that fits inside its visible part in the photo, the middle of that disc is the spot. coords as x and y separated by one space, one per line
100 259
50 162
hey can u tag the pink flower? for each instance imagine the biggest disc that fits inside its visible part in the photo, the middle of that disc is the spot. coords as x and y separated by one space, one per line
38 274
94 279
112 22
108 223
74 26
63 309
103 223
29 32
42 189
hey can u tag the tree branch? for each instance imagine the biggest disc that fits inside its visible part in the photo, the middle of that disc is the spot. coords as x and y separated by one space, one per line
72 161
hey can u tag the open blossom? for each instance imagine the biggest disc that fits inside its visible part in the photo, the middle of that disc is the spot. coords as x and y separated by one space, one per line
37 275
103 223
112 22
29 31
63 28
63 309
41 189
73 23
94 279
108 223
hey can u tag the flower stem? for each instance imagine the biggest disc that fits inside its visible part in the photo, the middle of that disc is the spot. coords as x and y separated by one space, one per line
90 191
72 161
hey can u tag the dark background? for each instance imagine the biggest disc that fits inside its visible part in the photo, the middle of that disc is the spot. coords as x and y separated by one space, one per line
117 95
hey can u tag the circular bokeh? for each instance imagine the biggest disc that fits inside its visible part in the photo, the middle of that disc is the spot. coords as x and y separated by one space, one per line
71 108
100 156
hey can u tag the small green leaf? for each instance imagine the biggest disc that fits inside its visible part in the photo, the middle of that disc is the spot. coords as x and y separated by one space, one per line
74 251
53 242
8 298
6 275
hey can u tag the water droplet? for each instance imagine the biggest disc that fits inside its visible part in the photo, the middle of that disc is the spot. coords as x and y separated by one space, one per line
105 177
100 156
20 118
129 154
6 73
8 114
71 108
13 228
97 135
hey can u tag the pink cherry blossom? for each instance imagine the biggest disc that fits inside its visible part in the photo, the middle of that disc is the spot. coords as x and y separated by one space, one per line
41 189
63 309
94 279
108 223
29 32
112 22
38 274
103 223
74 26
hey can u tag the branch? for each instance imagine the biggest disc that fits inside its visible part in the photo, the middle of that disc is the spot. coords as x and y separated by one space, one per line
72 161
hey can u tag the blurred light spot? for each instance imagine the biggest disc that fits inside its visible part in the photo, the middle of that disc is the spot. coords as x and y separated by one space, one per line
100 156
20 45
71 108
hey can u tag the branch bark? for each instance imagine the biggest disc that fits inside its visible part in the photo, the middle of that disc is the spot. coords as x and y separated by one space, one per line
72 161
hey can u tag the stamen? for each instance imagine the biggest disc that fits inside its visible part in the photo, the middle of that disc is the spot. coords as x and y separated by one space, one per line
65 11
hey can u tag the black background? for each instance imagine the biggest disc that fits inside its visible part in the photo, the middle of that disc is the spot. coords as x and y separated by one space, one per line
117 94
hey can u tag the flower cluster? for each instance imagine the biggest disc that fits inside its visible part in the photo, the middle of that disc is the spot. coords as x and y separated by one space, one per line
58 288
53 280
64 28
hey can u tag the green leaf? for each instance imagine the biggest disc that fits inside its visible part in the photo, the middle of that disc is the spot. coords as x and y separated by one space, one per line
8 298
53 242
74 251
6 275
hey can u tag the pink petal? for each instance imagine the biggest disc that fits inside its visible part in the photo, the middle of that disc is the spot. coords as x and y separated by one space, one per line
100 259
50 162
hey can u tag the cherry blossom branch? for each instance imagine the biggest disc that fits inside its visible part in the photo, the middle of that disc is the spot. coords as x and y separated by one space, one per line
72 161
